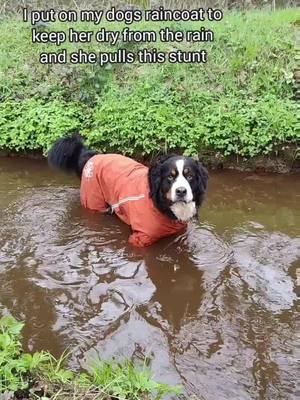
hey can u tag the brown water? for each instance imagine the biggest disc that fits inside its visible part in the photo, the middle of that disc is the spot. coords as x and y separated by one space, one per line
213 309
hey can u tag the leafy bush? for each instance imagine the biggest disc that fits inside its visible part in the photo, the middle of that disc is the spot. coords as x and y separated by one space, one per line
34 124
153 120
14 364
41 375
240 102
145 120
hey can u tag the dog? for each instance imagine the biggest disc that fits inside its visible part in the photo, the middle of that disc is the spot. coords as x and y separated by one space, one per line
155 202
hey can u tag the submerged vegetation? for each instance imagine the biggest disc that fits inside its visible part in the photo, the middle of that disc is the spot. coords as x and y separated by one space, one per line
41 376
239 103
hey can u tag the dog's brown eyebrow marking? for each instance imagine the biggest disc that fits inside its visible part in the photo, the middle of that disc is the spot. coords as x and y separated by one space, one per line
186 171
173 173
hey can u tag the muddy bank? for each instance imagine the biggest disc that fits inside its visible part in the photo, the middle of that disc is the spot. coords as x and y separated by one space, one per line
286 161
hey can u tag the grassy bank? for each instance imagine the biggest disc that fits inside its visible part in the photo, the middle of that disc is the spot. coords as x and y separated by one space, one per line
41 376
239 103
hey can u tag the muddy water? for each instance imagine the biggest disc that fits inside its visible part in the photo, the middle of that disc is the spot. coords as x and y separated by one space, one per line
213 309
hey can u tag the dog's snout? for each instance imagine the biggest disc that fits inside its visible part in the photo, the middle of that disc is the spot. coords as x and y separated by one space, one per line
181 191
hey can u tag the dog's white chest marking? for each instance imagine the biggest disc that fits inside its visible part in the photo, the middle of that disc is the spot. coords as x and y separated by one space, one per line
184 211
89 169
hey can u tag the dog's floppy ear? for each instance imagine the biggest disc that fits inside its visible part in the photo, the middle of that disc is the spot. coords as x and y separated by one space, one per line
203 175
154 175
202 179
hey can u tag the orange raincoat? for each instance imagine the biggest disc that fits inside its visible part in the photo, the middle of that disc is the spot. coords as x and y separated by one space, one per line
111 182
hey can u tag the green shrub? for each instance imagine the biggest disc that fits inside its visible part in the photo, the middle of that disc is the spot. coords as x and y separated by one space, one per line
14 364
42 373
33 124
145 120
240 102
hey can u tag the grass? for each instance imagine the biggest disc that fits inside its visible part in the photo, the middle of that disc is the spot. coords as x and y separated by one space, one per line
239 103
41 376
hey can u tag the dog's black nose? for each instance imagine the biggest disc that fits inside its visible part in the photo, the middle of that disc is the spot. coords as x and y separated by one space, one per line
181 191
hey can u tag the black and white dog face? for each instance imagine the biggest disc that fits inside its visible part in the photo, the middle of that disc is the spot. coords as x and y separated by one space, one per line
177 186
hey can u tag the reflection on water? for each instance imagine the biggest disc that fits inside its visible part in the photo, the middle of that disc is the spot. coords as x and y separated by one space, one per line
214 309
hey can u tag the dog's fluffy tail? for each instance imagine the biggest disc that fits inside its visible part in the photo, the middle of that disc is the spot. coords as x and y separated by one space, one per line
69 154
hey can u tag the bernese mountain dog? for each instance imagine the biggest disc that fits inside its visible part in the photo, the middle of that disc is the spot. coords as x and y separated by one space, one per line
155 202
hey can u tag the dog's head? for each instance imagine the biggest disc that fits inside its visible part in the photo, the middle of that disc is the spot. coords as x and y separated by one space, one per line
177 185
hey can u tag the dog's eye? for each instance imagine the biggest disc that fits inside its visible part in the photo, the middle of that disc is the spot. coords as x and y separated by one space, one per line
189 178
170 178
